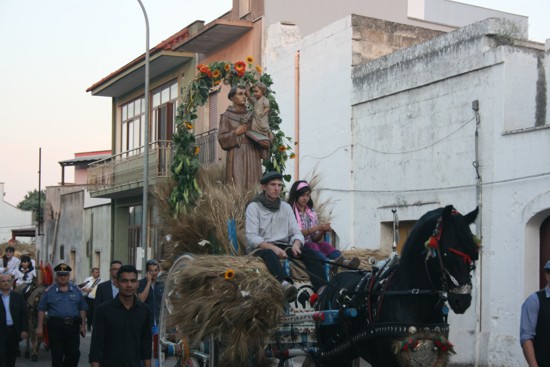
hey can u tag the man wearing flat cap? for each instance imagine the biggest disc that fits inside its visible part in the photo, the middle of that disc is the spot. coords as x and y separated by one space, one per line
535 325
273 234
66 308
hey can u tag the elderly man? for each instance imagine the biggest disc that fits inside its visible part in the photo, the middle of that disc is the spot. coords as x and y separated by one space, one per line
273 234
66 310
14 324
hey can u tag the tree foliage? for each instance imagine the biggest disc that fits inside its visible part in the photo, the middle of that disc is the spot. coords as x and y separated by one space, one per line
30 202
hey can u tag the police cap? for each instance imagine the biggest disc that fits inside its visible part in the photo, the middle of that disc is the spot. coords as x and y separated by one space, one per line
62 269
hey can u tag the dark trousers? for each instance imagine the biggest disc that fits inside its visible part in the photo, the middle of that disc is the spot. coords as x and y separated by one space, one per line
309 257
8 347
64 342
90 312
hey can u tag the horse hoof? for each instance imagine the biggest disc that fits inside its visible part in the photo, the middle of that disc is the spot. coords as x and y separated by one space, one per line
34 358
27 355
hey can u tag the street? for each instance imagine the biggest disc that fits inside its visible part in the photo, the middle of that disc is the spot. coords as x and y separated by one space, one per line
44 357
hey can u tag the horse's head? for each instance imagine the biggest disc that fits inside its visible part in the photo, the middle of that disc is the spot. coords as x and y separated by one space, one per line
452 250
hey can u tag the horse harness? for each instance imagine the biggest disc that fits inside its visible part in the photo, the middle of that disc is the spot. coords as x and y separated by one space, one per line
371 289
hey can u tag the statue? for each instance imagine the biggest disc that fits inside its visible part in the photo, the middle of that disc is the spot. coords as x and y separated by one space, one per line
244 155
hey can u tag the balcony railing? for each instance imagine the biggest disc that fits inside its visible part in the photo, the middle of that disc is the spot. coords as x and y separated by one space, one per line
208 146
125 170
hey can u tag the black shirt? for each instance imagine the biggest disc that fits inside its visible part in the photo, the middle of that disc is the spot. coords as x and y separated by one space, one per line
121 337
542 336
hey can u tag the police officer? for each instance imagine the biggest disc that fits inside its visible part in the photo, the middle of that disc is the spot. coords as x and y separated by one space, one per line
66 308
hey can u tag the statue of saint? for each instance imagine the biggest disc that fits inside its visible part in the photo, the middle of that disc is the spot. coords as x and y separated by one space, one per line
244 155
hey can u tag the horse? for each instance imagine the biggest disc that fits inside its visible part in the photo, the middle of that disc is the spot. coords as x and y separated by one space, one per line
32 293
402 304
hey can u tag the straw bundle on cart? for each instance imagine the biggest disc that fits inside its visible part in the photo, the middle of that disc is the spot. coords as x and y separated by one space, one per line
234 299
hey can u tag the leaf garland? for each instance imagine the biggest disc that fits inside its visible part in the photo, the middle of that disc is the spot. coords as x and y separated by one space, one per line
185 165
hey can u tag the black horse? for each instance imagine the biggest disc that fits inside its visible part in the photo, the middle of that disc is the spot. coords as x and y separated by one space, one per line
402 307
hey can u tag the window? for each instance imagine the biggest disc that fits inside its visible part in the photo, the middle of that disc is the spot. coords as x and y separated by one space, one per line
133 126
164 111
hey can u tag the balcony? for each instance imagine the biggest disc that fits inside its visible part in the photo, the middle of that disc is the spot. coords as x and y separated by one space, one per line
121 175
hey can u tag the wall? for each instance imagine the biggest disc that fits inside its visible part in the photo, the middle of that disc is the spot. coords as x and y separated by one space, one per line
12 217
325 134
440 15
414 120
400 131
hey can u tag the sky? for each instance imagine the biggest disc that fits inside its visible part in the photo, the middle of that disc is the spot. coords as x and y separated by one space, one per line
54 50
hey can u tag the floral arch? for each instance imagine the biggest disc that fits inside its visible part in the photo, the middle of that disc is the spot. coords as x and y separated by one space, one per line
211 78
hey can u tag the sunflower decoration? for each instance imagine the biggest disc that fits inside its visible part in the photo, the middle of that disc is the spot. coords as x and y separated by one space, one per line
210 78
229 274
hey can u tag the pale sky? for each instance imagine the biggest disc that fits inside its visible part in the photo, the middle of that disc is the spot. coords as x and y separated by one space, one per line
54 50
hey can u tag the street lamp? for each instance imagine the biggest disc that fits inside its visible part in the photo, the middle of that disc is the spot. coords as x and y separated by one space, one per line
146 141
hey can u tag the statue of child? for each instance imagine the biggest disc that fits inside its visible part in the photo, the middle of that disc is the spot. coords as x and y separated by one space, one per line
260 121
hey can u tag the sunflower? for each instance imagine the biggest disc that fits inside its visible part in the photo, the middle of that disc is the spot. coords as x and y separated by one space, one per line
259 69
282 148
227 67
250 59
229 274
197 150
188 125
292 156
216 74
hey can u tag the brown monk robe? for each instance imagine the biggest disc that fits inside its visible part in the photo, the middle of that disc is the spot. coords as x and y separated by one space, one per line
243 164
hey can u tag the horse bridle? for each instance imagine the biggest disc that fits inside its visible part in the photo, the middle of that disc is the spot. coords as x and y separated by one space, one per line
433 249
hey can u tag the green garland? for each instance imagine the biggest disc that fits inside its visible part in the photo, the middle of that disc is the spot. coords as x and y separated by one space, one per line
186 164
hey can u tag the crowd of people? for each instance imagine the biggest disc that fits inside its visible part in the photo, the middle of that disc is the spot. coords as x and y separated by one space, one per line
120 308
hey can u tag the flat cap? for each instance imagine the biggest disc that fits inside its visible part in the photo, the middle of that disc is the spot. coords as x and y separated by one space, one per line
271 175
62 268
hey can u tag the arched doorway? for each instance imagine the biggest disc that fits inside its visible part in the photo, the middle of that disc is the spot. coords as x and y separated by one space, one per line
544 250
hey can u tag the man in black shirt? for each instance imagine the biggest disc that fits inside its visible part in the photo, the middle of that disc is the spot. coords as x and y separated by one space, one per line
121 334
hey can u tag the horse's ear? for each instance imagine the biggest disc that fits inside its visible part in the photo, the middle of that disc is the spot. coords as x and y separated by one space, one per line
447 211
471 216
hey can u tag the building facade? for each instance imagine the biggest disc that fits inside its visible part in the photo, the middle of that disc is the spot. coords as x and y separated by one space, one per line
457 119
13 218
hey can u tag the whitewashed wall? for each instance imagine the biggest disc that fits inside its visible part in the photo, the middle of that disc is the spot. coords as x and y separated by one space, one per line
401 132
12 217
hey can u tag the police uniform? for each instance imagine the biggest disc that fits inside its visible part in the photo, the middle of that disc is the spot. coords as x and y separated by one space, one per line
64 321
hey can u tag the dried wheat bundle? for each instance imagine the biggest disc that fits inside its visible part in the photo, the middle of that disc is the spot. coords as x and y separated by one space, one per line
204 229
233 298
20 249
368 257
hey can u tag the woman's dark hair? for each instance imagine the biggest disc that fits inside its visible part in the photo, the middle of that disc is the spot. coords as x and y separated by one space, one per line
295 193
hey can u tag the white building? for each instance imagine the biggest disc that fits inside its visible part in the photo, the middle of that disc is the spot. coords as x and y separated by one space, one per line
412 130
13 218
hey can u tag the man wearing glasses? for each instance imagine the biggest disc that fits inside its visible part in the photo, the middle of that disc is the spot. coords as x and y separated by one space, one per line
66 310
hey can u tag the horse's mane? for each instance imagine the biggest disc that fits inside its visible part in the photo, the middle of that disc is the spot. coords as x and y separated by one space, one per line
420 232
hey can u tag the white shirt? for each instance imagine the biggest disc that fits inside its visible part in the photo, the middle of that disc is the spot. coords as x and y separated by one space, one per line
13 265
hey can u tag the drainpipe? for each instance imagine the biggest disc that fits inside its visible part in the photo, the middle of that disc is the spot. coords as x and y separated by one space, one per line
479 202
297 115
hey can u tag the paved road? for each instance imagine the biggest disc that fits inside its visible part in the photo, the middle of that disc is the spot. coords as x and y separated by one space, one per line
44 357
